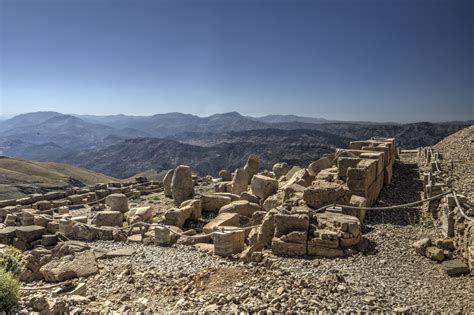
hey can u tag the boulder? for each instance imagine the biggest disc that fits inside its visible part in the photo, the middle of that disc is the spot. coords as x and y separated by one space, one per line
322 193
282 248
140 214
196 205
225 175
280 169
317 166
263 186
167 183
178 217
241 207
421 246
30 233
287 223
251 167
212 202
434 253
117 202
182 185
223 219
273 201
249 197
240 181
81 264
108 218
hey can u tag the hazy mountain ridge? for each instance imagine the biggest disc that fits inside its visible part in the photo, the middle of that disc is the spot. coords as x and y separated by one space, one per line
122 145
297 147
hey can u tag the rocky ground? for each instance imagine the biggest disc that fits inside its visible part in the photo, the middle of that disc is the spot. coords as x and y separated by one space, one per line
389 277
458 160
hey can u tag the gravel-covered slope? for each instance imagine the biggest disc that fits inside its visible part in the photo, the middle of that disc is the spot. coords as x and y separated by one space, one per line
458 160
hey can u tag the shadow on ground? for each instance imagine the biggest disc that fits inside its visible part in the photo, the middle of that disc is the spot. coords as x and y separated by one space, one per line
406 187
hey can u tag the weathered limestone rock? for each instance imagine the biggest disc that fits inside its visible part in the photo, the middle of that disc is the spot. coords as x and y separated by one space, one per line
196 205
225 175
273 201
302 178
291 234
167 183
280 169
212 202
117 202
251 167
182 185
141 214
241 207
421 246
223 219
434 253
78 265
317 166
249 197
287 223
282 248
240 181
108 218
455 267
29 233
322 193
83 232
43 205
178 217
263 186
35 259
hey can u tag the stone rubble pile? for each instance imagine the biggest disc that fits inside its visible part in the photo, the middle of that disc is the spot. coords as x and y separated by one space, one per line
250 210
458 230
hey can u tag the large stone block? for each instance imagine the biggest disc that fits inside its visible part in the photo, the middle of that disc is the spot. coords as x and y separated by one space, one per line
240 181
263 186
317 166
117 202
182 184
251 167
30 233
108 218
281 248
343 163
241 207
213 202
322 193
287 223
167 183
68 267
223 219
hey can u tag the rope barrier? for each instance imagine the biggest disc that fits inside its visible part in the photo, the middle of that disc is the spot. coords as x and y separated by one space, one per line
460 208
405 205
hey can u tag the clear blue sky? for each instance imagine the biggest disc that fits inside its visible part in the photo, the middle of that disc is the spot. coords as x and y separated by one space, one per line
375 60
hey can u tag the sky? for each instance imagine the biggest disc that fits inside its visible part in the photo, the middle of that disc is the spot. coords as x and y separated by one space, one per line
402 61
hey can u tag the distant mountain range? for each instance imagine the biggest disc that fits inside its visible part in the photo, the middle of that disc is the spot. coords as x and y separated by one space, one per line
121 145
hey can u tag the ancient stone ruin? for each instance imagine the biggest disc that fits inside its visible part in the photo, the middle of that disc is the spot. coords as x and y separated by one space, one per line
249 210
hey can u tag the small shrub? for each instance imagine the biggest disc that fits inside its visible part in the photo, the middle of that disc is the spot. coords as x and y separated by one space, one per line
9 290
12 260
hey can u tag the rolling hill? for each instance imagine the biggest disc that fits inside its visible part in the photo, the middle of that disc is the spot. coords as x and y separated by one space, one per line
20 177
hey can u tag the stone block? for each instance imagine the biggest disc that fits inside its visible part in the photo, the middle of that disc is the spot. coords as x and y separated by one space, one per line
223 219
263 186
108 218
117 202
212 202
241 207
29 233
286 223
343 163
281 248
